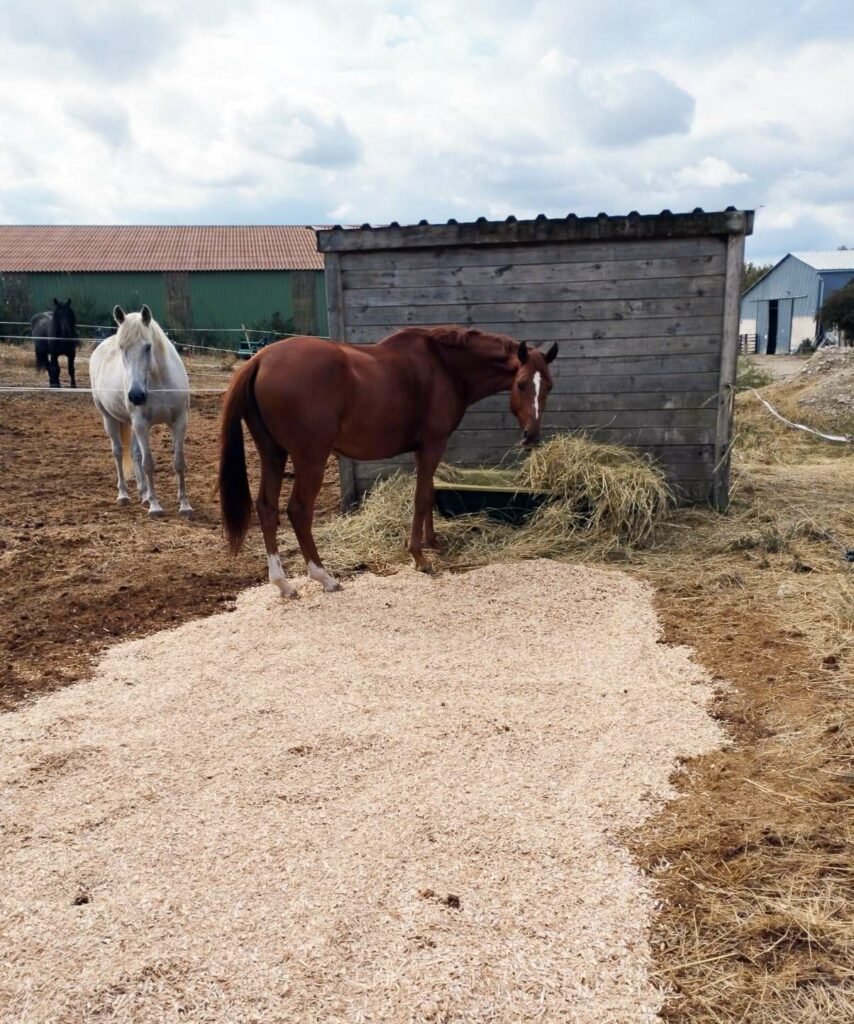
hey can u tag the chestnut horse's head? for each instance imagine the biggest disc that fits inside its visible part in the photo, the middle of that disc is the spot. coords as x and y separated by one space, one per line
530 390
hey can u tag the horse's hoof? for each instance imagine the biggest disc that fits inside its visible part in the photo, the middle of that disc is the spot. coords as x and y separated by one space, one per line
186 512
123 500
156 513
426 568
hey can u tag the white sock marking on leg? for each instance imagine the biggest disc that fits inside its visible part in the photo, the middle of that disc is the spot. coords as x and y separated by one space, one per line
320 575
278 577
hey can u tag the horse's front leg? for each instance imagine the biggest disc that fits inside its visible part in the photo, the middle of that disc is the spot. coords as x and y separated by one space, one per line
431 540
138 472
53 370
179 432
426 462
142 432
71 356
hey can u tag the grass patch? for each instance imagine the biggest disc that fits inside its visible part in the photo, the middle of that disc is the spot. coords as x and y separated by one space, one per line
751 376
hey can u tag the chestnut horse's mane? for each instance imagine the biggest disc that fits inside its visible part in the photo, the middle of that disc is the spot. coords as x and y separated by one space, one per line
469 338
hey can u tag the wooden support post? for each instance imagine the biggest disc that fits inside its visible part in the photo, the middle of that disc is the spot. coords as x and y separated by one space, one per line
335 306
729 366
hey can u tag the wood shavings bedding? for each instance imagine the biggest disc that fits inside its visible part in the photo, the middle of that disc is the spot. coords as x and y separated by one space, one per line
397 803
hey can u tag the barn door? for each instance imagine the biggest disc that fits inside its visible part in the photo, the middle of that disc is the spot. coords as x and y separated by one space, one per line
773 315
302 291
177 288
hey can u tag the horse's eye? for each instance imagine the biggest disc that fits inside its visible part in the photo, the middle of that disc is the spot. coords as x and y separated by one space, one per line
148 347
522 385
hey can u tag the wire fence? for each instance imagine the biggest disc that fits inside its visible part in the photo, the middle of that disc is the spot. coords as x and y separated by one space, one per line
22 389
175 335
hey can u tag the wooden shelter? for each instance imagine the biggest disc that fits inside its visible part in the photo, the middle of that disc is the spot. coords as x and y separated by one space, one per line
645 309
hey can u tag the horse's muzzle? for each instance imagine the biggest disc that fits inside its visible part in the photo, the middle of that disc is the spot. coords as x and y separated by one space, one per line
530 440
136 396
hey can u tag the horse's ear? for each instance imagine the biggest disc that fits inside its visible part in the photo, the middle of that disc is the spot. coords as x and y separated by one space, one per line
522 352
146 315
118 314
551 355
55 301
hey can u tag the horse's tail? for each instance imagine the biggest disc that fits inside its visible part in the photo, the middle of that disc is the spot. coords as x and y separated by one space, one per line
127 452
235 501
41 345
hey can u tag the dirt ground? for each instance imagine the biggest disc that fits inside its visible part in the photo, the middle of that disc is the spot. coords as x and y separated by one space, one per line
779 367
754 863
80 572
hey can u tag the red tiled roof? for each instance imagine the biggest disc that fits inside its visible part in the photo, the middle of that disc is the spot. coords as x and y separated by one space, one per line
29 248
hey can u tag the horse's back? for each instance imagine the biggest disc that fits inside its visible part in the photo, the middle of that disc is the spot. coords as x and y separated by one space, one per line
366 400
299 367
40 325
106 378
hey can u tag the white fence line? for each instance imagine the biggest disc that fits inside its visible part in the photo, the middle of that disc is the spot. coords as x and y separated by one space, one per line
22 389
184 330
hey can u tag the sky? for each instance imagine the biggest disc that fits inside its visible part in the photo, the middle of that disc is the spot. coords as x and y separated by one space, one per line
324 111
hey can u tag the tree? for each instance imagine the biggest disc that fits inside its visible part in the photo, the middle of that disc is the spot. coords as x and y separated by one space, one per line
837 310
752 273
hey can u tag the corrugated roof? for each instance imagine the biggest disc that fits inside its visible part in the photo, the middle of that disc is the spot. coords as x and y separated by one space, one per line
832 259
58 248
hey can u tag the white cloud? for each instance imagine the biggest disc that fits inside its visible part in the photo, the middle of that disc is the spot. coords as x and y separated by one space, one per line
306 131
710 172
394 110
106 119
634 105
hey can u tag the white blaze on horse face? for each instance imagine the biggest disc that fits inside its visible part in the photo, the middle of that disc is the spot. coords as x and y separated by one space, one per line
537 381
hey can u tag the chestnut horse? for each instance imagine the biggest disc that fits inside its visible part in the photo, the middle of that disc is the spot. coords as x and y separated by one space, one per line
307 397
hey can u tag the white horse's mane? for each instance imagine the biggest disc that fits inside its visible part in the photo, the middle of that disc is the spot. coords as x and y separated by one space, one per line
131 331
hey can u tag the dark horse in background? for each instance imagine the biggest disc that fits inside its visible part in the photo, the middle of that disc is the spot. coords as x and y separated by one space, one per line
55 335
307 397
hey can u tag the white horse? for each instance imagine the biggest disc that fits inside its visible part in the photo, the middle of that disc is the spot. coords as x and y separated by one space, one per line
138 380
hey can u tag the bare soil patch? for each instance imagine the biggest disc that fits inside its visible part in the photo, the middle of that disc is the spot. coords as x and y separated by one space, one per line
78 571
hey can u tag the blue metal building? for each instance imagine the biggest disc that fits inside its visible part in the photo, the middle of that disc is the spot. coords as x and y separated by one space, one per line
781 308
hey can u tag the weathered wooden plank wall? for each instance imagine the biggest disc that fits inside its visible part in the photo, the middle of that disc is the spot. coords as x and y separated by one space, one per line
642 309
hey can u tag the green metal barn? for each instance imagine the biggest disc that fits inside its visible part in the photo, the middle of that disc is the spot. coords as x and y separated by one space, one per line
202 283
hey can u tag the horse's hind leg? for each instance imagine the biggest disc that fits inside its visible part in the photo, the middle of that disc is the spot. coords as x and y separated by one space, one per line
267 506
71 356
308 479
113 429
179 432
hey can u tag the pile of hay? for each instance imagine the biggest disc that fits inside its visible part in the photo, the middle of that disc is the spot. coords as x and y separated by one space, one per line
602 497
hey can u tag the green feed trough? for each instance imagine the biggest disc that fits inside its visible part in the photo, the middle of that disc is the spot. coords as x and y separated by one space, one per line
507 504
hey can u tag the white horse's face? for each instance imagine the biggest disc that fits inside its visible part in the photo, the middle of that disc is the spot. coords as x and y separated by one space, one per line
135 340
